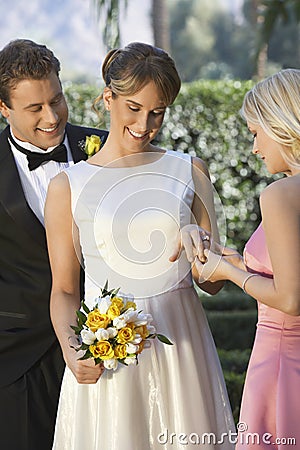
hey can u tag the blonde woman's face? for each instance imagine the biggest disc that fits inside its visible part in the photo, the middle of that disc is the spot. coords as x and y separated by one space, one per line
136 119
269 150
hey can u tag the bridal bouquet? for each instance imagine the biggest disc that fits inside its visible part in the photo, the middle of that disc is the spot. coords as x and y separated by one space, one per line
113 331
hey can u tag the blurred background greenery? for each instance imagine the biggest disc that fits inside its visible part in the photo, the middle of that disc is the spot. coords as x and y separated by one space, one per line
216 39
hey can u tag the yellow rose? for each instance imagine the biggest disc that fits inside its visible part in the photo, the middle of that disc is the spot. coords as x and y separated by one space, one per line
125 335
130 304
96 320
120 351
141 347
92 145
113 311
102 350
142 330
118 301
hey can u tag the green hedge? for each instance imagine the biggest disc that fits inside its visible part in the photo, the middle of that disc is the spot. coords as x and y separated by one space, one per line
234 364
234 360
235 384
232 329
228 300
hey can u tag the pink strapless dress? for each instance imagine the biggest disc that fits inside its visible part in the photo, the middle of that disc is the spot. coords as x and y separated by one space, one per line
270 407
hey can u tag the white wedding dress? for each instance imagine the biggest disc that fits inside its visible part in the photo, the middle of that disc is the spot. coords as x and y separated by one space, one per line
128 220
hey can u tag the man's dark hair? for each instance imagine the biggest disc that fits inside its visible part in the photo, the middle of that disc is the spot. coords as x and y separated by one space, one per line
23 59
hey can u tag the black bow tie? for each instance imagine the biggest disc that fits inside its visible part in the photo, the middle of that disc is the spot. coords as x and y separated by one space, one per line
35 159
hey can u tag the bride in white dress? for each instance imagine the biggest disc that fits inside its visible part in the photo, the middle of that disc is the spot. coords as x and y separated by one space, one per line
121 213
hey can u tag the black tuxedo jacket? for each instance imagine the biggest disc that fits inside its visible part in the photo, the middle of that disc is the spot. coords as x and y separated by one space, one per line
26 332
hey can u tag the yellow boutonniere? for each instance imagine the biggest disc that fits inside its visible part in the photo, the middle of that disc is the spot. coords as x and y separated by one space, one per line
91 145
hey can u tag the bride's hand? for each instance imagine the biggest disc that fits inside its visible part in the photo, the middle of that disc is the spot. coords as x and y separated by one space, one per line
212 269
85 371
194 240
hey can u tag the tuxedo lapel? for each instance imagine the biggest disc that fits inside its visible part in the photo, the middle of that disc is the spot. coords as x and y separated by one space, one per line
12 195
75 135
78 134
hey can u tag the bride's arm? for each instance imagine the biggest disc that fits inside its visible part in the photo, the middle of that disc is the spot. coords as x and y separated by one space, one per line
64 254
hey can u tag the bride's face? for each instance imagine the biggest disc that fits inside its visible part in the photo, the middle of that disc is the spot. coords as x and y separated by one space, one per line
135 120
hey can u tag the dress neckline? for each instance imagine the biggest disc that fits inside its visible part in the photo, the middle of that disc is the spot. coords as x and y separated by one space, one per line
97 166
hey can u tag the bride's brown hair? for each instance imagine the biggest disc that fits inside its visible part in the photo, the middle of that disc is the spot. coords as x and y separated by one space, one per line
126 71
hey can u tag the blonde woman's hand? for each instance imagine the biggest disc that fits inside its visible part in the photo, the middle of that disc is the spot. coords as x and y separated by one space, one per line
230 255
219 263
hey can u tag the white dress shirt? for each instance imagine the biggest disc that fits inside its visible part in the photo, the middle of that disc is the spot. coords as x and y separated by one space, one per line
35 182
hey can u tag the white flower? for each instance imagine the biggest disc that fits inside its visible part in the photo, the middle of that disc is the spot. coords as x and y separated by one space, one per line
151 329
119 322
87 336
130 348
110 364
112 331
127 298
130 360
102 334
103 304
142 319
137 339
130 315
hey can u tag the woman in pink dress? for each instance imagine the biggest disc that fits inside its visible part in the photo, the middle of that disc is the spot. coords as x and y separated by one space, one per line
270 270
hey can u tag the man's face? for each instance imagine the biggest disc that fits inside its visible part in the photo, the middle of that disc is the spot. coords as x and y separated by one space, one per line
38 112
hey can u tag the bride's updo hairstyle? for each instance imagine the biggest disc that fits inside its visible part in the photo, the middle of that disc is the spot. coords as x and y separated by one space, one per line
126 71
274 104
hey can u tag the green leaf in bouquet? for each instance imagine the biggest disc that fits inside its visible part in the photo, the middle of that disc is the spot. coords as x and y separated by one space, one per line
105 287
110 293
87 355
85 308
164 339
114 292
84 346
122 361
76 329
81 318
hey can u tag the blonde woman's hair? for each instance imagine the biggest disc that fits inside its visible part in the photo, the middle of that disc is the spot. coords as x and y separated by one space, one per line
274 104
127 70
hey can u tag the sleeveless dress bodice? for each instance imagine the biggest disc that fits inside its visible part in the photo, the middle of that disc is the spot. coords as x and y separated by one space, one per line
126 231
257 260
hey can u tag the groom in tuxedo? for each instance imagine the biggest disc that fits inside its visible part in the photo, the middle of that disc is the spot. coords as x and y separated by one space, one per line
35 146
